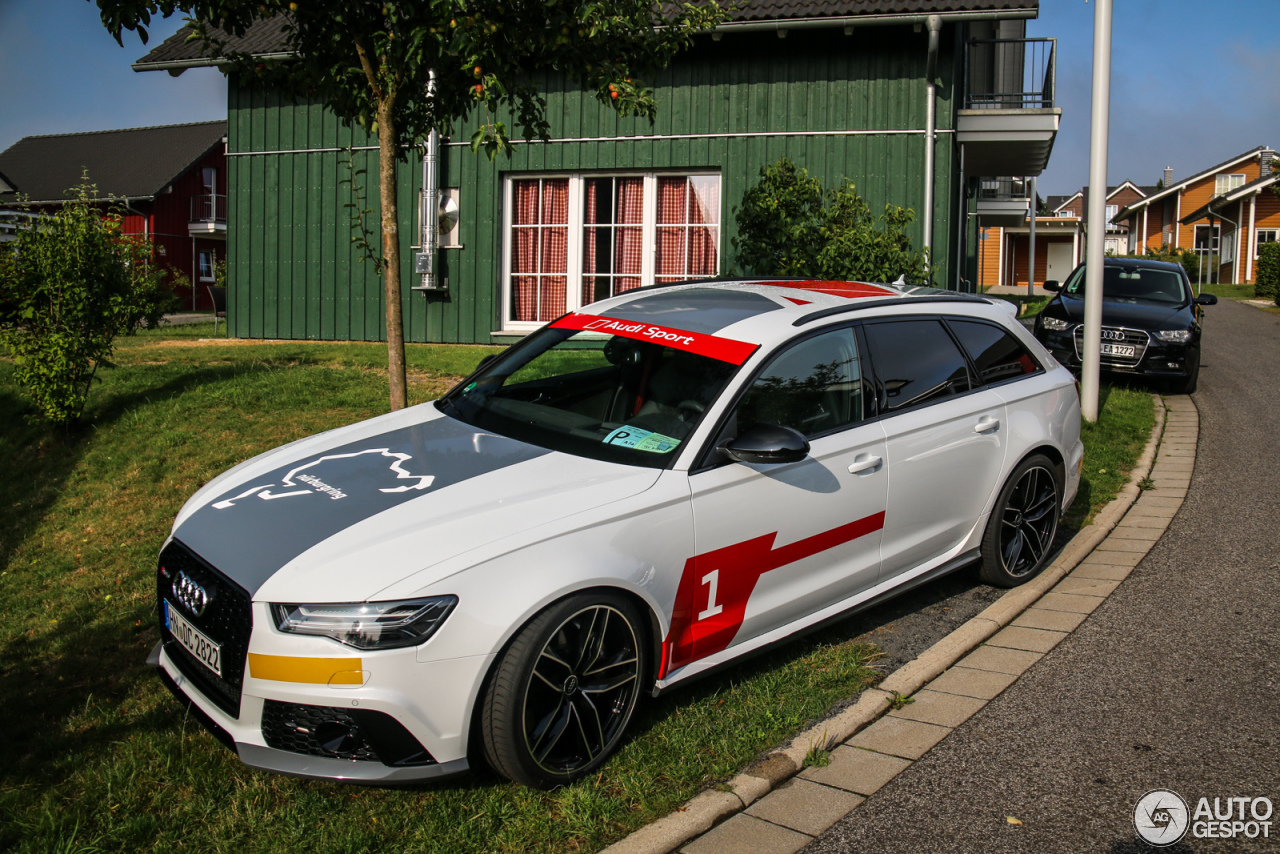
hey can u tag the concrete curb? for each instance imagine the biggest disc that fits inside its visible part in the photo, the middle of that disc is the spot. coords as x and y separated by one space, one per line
715 806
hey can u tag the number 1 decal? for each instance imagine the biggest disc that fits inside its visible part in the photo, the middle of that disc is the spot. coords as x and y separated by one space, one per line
729 575
712 579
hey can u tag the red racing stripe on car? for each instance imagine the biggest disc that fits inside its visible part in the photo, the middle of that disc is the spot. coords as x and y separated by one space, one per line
711 346
714 588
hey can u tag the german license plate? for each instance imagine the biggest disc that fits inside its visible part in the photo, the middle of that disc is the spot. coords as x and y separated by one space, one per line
193 640
1119 350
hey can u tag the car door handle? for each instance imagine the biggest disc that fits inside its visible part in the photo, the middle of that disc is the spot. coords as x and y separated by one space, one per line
865 462
986 424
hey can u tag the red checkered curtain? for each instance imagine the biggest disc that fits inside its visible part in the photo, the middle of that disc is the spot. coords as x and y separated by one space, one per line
591 216
704 222
688 234
629 250
672 210
539 252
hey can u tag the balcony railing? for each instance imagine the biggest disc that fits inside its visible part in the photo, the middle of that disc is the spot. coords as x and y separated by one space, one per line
209 208
1002 190
1010 74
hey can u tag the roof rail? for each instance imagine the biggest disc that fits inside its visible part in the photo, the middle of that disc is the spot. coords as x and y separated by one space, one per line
858 306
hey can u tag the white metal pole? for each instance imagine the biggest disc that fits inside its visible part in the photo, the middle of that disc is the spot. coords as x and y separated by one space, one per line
1097 213
1031 262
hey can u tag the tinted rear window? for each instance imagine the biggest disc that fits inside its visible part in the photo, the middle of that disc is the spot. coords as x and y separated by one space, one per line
915 362
996 354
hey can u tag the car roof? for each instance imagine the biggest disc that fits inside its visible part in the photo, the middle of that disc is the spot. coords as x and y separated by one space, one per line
761 310
1149 263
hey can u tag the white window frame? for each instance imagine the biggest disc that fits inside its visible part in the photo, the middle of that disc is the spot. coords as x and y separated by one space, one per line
573 266
1258 242
1225 182
213 262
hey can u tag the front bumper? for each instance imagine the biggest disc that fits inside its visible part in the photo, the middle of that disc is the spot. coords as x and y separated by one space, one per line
1159 360
406 737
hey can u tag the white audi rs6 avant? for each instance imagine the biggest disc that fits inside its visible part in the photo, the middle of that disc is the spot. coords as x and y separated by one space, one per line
642 490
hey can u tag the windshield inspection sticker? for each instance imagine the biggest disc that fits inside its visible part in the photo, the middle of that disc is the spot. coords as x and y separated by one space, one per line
641 440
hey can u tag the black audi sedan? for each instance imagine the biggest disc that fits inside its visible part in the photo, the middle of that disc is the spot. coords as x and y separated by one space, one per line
1150 321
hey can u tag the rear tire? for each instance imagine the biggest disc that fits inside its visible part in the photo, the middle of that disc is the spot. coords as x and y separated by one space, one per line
1016 545
564 690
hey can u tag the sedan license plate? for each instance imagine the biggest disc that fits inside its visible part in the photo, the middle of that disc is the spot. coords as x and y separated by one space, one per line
1119 350
193 640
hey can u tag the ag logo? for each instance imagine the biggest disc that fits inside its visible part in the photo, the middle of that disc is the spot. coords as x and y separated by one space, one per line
1161 817
304 480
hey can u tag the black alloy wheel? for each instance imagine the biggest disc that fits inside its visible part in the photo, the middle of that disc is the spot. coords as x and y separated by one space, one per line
1016 545
564 691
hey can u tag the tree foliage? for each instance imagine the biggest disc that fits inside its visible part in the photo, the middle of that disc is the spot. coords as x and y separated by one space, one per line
370 62
1267 283
69 284
788 226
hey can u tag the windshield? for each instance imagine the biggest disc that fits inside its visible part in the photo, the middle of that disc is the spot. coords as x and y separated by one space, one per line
1134 283
594 395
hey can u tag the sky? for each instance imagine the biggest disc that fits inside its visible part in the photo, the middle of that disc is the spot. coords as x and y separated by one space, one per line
1193 82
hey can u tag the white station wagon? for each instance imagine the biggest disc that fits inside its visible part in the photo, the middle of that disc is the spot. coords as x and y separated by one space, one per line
639 492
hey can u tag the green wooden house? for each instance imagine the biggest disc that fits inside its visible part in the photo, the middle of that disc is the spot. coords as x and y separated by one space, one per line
925 104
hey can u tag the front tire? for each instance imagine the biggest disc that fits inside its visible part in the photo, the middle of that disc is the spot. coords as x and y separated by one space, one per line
1187 384
1016 545
564 690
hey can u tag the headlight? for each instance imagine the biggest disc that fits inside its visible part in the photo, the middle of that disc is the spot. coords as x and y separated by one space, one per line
1053 324
368 625
1174 336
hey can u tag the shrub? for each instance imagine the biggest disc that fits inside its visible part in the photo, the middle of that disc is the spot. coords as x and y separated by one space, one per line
1268 281
788 226
69 284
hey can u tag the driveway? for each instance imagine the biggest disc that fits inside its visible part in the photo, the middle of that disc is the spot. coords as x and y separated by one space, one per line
1173 683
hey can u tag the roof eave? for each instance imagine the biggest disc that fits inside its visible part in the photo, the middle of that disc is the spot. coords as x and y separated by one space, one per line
205 62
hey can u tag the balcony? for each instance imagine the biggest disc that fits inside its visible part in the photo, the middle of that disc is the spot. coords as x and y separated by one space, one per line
208 216
1003 202
1008 122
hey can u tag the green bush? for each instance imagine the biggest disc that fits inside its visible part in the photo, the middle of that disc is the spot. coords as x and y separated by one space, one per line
69 284
1268 281
788 226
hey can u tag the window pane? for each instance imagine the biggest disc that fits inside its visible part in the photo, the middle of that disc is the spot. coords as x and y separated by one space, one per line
916 362
687 238
539 248
612 237
996 354
813 387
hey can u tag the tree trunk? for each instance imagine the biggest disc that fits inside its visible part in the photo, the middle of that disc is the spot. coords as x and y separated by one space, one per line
391 256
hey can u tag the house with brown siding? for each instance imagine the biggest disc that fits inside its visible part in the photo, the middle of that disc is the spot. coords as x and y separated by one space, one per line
1194 214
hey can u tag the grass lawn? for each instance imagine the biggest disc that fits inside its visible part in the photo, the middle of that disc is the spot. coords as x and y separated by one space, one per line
1228 291
100 758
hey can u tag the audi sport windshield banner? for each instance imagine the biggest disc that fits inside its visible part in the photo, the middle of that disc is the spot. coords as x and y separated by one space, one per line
711 346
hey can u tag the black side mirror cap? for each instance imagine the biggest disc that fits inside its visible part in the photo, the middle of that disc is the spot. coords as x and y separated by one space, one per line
1052 286
486 360
767 444
1207 299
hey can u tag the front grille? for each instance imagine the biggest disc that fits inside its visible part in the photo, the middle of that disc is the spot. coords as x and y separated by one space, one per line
359 735
1135 338
227 620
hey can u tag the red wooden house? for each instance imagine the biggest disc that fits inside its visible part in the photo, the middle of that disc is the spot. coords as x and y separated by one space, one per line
170 179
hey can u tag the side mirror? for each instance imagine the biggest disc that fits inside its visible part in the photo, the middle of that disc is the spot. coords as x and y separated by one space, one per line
1207 299
1052 286
486 360
767 444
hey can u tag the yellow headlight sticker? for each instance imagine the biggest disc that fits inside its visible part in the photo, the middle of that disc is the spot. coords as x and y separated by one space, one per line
317 671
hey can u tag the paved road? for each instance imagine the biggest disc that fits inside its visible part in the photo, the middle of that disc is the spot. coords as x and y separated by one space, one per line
1173 683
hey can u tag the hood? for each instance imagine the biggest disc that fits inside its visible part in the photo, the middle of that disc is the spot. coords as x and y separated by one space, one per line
1132 314
337 518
